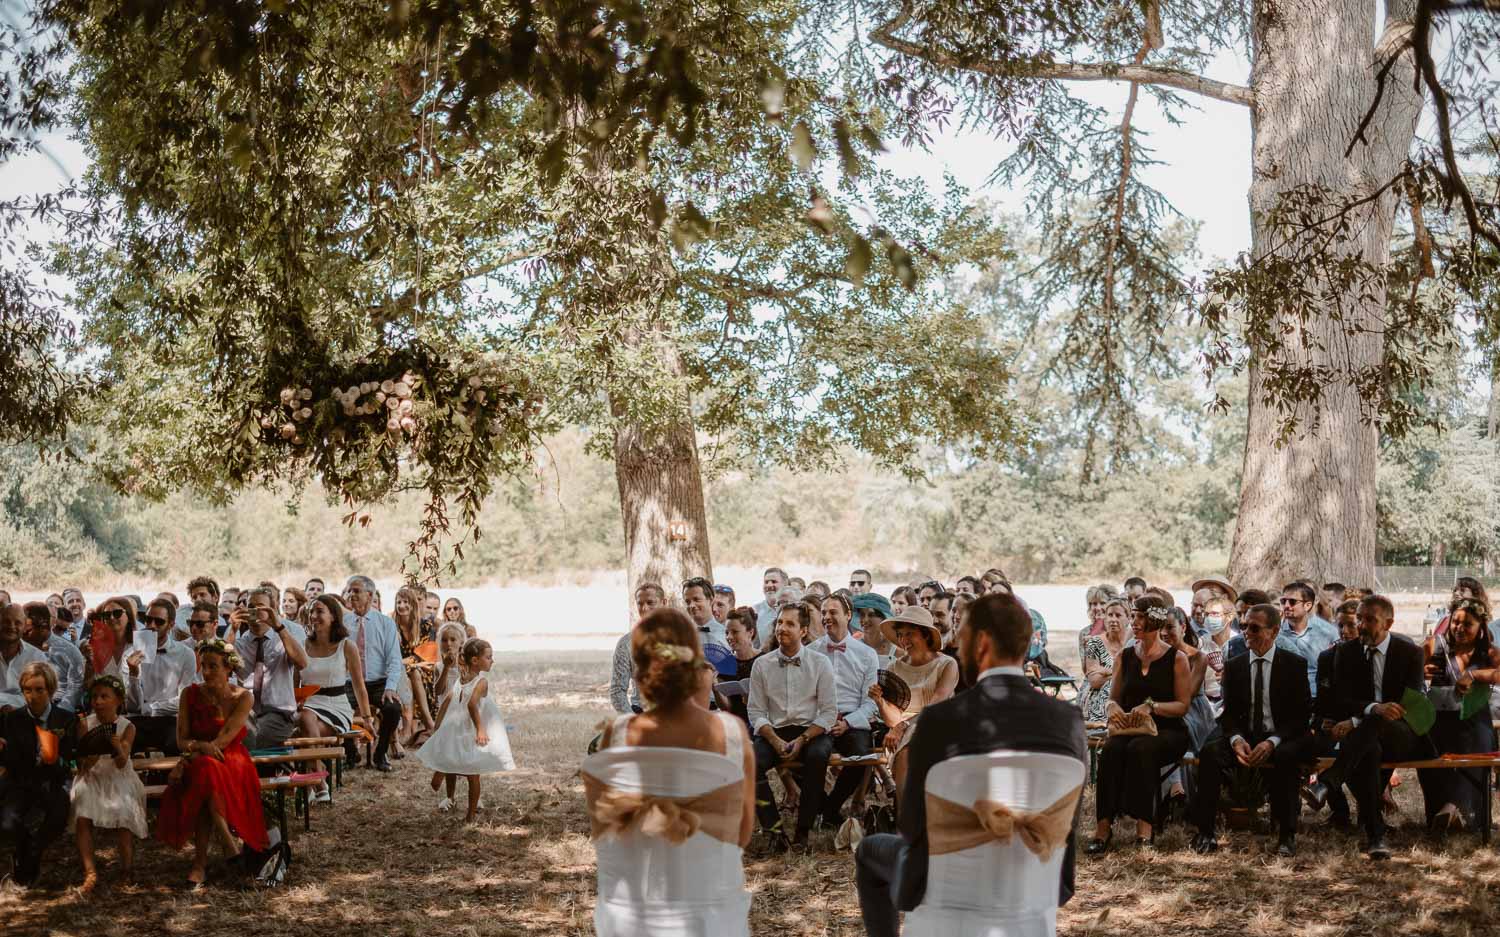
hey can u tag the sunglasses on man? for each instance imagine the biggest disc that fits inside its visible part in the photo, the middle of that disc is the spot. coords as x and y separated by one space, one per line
155 621
857 583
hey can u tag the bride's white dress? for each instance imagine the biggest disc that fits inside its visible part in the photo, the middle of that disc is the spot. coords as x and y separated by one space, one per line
648 885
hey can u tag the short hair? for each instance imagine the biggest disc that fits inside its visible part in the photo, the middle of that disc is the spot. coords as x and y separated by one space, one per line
1272 613
73 589
746 616
777 570
661 594
1135 581
1387 610
1148 603
163 603
170 597
1308 593
820 587
1005 620
365 582
1348 607
972 579
271 597
804 614
203 582
1338 587
211 608
315 579
865 571
702 584
1099 593
798 582
39 668
1253 597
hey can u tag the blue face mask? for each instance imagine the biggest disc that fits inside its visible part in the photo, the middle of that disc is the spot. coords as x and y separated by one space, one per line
1213 624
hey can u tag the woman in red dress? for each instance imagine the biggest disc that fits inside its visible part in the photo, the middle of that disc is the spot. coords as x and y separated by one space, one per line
214 790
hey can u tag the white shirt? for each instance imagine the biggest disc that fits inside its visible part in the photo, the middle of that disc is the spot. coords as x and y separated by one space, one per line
1265 691
67 660
154 689
10 674
1006 671
278 689
855 670
1377 669
798 694
714 633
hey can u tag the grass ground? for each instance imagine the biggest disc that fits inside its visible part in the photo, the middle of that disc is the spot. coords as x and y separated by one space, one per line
381 861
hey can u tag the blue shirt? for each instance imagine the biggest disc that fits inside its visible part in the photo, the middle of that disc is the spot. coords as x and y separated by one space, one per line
764 616
382 651
1319 637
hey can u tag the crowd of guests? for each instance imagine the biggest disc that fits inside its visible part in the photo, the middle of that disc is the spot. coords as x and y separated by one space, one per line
228 672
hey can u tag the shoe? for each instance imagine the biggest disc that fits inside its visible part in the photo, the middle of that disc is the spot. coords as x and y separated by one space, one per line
445 805
800 841
777 844
383 765
1377 849
1315 795
1205 843
322 796
1287 847
1330 779
1096 847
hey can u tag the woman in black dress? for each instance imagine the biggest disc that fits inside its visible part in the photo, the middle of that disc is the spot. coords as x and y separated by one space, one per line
1154 678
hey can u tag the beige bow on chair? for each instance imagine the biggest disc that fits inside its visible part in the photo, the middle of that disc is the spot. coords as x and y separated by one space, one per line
952 827
613 812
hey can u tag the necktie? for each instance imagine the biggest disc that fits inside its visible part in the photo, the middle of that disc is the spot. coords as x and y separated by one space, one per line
791 662
359 639
1258 697
1377 671
834 647
260 666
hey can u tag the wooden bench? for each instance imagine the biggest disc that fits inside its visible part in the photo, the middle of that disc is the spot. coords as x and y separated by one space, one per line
302 784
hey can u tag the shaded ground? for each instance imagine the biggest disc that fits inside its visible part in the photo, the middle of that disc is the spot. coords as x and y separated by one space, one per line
382 861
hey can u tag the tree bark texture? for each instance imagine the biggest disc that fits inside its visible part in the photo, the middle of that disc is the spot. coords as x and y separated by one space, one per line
1307 507
661 484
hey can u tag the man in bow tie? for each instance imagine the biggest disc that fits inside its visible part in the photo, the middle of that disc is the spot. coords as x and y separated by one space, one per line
792 706
1000 712
698 599
856 666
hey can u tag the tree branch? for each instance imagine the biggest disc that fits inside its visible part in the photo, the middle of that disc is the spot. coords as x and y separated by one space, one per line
885 34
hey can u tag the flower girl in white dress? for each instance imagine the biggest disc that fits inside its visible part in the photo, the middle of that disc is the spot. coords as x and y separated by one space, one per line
470 738
107 792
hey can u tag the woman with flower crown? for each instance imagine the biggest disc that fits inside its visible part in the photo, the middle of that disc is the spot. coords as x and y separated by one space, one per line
1149 696
214 791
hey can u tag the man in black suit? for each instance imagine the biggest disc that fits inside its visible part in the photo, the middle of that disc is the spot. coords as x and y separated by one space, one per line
33 788
1267 708
1371 676
1325 716
1000 711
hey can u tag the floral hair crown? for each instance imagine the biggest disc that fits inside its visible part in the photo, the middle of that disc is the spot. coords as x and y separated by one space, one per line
1472 607
1158 613
111 681
674 652
222 647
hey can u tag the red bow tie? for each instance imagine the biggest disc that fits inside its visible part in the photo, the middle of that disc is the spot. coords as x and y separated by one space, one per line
835 647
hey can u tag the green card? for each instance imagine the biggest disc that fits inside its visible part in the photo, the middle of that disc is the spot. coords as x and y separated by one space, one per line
1419 712
1476 700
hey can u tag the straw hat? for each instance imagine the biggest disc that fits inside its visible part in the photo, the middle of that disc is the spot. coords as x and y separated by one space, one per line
916 616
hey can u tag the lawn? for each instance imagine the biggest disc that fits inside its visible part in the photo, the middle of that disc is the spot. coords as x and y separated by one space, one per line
383 861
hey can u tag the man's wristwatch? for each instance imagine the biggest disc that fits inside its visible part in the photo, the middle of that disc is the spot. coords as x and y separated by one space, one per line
278 628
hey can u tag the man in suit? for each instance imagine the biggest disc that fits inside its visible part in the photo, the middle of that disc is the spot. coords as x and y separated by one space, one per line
1326 716
1370 677
1001 711
34 783
1267 708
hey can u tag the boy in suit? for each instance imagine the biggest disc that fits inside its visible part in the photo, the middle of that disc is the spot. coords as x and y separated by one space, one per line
35 743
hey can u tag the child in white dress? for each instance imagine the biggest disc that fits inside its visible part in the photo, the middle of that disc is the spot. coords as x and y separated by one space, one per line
107 792
470 736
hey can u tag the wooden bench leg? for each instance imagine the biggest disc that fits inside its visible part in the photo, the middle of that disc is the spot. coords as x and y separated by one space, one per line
1487 809
281 812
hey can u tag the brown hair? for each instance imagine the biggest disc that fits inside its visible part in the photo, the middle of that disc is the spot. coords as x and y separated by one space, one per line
665 651
1005 620
473 649
1146 604
747 617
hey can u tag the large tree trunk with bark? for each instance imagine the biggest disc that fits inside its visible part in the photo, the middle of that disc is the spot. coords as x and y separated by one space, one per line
661 500
1307 505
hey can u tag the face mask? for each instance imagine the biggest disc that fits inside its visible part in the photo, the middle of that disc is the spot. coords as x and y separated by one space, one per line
1213 624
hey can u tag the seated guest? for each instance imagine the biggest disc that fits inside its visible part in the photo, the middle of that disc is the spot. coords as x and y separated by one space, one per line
685 876
15 656
374 636
902 598
269 655
723 603
931 675
1267 708
1457 660
202 624
331 658
873 609
199 589
1303 631
107 794
36 742
1099 656
154 687
118 616
214 790
1325 716
1369 680
453 610
855 668
1246 600
66 660
412 629
1152 679
739 631
698 601
75 603
292 602
793 703
623 694
314 587
1001 713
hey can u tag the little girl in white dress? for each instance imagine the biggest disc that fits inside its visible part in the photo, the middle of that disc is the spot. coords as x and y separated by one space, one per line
470 737
107 792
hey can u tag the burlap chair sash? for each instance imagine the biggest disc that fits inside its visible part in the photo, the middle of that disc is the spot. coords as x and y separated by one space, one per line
952 827
717 813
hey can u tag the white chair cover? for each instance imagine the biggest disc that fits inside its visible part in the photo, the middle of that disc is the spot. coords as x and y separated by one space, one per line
651 888
995 889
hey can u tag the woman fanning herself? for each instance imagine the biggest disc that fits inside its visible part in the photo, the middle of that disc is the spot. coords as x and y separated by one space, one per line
214 790
413 692
1155 680
931 675
1099 656
1462 662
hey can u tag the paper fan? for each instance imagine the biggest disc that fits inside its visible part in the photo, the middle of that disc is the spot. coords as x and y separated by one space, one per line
96 742
306 690
894 689
722 658
427 651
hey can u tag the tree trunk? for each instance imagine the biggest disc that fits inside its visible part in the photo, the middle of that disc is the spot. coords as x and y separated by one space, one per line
661 488
1307 507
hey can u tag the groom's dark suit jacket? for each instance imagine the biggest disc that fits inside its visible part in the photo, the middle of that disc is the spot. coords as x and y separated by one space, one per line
1002 712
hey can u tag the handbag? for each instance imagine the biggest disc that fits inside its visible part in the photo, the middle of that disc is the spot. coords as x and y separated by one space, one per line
1134 724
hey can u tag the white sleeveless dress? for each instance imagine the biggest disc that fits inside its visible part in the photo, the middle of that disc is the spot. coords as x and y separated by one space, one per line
452 748
111 797
331 703
649 886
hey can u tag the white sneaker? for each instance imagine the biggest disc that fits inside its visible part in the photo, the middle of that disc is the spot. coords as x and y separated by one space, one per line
322 796
445 805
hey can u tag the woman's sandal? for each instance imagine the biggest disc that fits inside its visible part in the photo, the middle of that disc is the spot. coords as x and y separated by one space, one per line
1097 846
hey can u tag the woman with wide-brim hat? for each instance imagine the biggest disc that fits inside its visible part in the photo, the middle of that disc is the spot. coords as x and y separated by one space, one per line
931 675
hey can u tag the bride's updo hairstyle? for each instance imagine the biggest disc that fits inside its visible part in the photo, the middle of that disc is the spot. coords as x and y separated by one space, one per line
667 656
